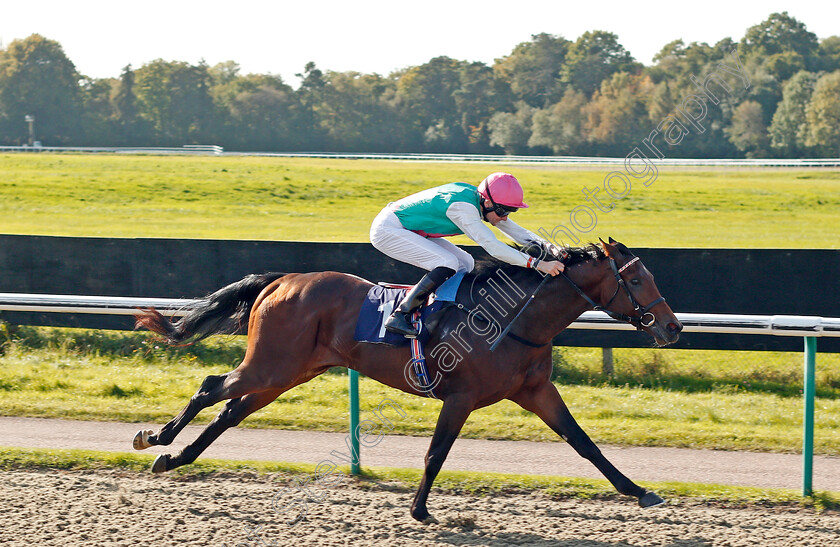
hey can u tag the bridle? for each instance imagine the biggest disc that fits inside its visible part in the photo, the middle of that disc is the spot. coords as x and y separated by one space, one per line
639 321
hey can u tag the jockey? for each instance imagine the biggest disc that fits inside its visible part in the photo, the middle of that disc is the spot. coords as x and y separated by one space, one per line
412 230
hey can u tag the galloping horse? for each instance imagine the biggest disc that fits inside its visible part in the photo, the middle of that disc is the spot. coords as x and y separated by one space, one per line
300 325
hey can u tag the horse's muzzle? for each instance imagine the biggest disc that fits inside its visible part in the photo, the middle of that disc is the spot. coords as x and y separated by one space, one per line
674 328
672 331
667 334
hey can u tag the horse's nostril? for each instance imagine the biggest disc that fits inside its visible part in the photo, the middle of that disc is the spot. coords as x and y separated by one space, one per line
674 328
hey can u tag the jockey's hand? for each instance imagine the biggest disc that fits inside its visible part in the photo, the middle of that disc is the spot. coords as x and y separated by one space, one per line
551 267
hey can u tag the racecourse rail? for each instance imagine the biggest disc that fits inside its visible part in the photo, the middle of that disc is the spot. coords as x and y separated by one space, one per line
215 150
807 327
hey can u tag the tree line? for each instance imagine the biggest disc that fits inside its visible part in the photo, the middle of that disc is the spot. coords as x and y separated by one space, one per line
550 95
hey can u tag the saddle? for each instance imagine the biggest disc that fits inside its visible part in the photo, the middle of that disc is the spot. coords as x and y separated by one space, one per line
381 300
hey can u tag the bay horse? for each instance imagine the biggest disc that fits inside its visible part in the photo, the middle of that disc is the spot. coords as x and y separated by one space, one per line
302 324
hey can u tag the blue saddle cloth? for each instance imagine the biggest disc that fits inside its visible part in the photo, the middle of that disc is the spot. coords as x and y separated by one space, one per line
381 301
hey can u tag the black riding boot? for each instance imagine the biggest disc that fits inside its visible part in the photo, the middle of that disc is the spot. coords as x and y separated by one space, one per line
400 320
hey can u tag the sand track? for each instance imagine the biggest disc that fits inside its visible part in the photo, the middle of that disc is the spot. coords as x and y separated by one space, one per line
85 508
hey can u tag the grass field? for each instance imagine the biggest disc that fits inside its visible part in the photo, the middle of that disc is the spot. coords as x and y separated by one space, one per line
657 397
682 398
335 200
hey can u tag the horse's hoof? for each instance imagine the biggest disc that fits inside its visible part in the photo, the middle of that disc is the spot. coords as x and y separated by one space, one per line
141 440
650 500
159 466
422 515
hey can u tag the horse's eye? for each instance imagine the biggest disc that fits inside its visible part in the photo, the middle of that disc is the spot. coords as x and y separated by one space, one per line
635 281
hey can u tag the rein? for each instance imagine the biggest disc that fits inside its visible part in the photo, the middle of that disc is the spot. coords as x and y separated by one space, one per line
643 311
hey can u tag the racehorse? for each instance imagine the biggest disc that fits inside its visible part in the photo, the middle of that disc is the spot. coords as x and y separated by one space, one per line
302 324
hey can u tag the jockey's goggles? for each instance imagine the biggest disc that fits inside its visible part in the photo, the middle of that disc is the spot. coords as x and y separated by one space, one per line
504 210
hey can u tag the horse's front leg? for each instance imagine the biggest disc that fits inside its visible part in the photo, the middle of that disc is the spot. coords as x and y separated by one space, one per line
545 402
452 416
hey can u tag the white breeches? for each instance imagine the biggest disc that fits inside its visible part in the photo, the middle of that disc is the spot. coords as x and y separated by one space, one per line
389 236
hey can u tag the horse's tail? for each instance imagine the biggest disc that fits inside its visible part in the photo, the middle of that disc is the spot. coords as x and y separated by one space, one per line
225 311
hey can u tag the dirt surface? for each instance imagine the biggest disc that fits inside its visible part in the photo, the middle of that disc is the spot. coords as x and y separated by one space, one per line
533 458
76 509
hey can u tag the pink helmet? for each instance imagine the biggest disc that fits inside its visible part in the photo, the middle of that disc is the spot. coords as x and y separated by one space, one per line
502 189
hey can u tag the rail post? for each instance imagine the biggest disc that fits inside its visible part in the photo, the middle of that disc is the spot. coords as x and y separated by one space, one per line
607 366
355 464
809 382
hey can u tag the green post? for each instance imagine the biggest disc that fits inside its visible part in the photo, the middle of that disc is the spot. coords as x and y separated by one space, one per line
355 465
808 425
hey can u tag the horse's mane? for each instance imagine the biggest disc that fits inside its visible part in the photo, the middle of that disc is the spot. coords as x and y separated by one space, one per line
487 267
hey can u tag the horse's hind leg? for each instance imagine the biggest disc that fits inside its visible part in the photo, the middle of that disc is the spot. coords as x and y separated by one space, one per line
212 390
545 402
234 412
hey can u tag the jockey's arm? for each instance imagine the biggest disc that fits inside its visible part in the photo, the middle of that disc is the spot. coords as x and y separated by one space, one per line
527 238
518 233
468 219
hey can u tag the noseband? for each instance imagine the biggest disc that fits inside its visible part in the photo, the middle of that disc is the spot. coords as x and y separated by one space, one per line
645 317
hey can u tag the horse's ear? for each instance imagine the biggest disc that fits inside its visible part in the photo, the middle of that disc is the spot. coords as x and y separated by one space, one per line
613 241
609 249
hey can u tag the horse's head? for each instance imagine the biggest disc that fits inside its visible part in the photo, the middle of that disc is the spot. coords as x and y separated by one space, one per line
628 293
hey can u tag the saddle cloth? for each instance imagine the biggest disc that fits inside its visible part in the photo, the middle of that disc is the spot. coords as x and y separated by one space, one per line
381 301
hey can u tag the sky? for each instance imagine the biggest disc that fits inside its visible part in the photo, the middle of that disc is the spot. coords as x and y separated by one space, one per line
368 36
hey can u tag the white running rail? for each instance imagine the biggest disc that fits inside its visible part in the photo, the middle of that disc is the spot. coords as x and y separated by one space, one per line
777 325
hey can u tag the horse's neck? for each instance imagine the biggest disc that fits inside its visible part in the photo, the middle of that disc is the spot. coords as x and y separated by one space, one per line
555 306
500 296
562 305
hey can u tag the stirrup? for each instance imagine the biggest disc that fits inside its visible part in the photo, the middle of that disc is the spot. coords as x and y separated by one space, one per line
399 323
